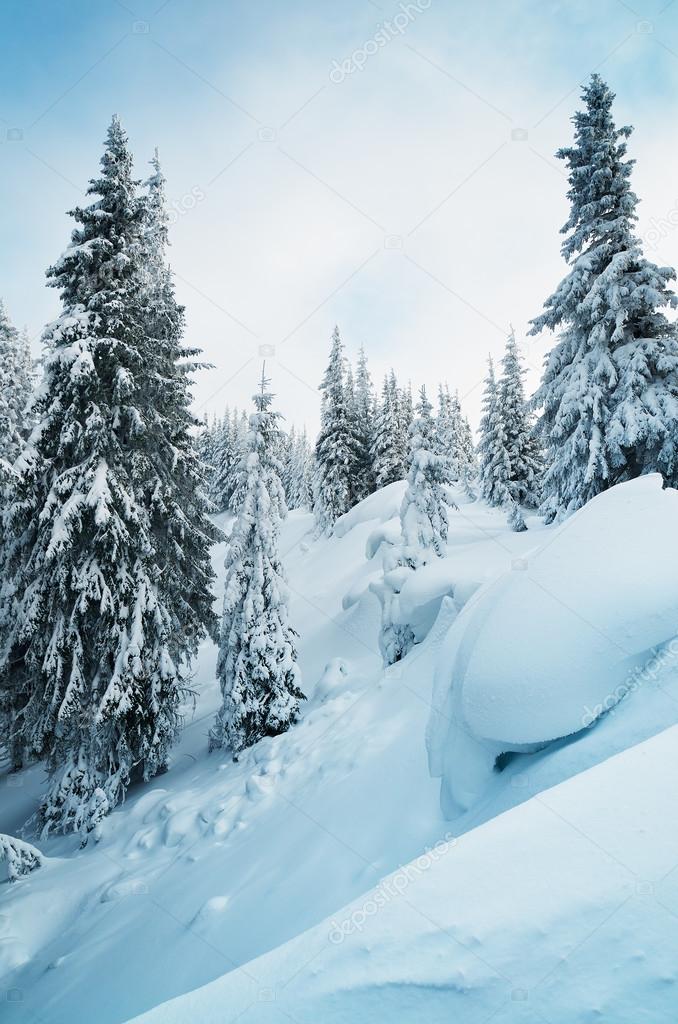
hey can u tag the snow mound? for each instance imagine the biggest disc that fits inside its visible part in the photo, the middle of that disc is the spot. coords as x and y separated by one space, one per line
563 909
382 505
543 650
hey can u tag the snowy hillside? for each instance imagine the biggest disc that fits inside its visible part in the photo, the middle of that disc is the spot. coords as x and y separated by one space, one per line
548 907
562 910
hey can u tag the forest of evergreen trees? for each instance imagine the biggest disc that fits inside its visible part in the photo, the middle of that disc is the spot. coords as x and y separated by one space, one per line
109 482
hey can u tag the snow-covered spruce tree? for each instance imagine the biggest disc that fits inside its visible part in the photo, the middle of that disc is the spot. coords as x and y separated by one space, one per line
454 440
364 428
15 422
205 447
336 449
424 525
524 475
494 468
609 390
423 515
175 497
447 428
387 442
309 473
15 389
257 666
286 456
240 434
284 444
109 560
405 407
225 455
300 473
468 464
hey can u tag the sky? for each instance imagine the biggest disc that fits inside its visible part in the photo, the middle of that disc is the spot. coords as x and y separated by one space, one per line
384 165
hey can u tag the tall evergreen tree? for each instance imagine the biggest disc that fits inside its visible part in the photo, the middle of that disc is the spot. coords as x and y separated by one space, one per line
423 514
388 445
108 557
467 462
284 444
175 494
404 420
225 455
494 468
610 384
15 390
205 448
453 436
364 428
286 458
300 473
257 666
524 464
15 423
336 450
446 431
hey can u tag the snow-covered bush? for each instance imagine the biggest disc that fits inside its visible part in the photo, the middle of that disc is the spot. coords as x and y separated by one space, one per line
424 526
18 858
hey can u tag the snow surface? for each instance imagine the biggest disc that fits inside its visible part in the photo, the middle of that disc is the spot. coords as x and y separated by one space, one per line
215 865
562 910
558 639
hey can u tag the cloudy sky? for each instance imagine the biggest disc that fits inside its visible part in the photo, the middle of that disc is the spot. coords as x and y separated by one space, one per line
382 165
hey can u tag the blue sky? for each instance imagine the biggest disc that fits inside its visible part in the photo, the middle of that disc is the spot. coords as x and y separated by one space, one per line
412 197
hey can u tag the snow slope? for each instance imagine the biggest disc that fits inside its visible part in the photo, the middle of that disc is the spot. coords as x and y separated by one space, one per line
215 865
563 910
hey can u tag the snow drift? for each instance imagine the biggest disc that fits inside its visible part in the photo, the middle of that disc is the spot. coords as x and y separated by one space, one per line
551 644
